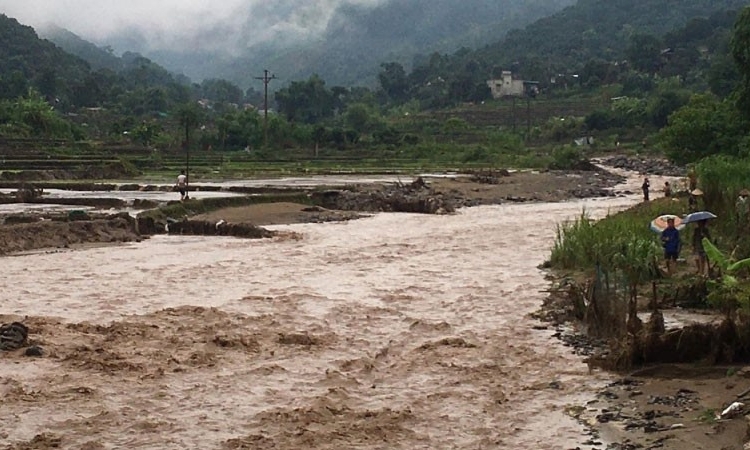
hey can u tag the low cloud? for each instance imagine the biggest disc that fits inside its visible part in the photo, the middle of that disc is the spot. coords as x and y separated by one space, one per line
226 25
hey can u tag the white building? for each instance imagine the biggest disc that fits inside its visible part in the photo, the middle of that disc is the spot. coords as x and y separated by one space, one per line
508 87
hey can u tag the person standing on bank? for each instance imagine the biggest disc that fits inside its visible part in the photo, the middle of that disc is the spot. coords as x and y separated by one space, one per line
667 189
182 185
670 240
701 260
742 208
645 186
742 213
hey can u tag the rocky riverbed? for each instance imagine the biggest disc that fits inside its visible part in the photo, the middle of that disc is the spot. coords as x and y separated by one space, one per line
645 165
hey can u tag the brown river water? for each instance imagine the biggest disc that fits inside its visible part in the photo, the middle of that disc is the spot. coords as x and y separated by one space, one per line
397 331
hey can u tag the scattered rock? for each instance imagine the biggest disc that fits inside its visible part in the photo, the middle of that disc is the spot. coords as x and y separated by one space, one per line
651 166
208 228
34 350
416 197
13 336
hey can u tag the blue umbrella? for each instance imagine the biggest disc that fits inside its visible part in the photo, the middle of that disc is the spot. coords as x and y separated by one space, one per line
698 216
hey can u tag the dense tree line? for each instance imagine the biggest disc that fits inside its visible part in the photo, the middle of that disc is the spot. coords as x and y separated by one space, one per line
651 67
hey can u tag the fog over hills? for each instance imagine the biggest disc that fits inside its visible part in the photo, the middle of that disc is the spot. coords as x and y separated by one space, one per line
344 41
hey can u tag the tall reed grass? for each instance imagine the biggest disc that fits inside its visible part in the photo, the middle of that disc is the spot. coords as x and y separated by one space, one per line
621 241
722 178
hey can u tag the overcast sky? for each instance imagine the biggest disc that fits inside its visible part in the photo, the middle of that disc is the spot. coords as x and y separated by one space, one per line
207 24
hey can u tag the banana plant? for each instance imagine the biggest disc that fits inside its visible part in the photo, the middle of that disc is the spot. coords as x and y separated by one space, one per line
723 262
726 291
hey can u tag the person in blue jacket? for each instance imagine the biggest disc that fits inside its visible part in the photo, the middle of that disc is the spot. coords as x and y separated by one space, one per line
670 240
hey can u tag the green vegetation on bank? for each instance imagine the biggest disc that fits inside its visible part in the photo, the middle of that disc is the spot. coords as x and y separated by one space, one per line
624 240
616 242
712 134
642 67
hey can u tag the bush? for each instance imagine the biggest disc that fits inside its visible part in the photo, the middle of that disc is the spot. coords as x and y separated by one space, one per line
567 158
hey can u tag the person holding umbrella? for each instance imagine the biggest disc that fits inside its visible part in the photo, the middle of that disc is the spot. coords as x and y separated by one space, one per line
701 219
670 240
701 260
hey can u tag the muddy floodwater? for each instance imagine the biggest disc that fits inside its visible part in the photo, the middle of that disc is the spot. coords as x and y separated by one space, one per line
395 331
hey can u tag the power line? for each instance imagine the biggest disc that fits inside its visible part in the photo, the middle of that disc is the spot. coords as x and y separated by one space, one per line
265 79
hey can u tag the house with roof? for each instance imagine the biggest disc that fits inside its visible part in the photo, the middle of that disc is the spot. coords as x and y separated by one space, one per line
507 86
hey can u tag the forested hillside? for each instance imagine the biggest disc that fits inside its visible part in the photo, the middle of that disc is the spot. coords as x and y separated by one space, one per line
98 58
28 61
566 41
635 68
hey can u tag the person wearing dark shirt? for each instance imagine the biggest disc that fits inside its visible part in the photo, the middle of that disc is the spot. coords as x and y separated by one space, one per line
645 186
670 240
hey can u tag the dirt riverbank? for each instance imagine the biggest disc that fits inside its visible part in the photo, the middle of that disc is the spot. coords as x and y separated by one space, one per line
430 195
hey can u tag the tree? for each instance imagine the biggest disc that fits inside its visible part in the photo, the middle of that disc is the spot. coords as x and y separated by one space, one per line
30 116
358 117
393 81
665 104
740 45
222 91
644 52
305 101
189 116
13 85
705 126
723 76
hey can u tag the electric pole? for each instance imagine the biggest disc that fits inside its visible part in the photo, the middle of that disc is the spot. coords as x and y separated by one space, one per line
265 79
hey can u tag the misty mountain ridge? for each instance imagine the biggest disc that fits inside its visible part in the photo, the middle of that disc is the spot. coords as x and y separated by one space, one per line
564 41
349 52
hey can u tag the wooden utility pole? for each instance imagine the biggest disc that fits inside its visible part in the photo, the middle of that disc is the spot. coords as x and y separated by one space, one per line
528 116
265 79
187 165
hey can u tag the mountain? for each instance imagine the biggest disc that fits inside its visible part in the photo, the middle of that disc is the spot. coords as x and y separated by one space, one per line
32 62
358 39
565 41
97 57
131 83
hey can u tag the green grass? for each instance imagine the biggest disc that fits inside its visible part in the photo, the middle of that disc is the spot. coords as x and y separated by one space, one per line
618 241
721 179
